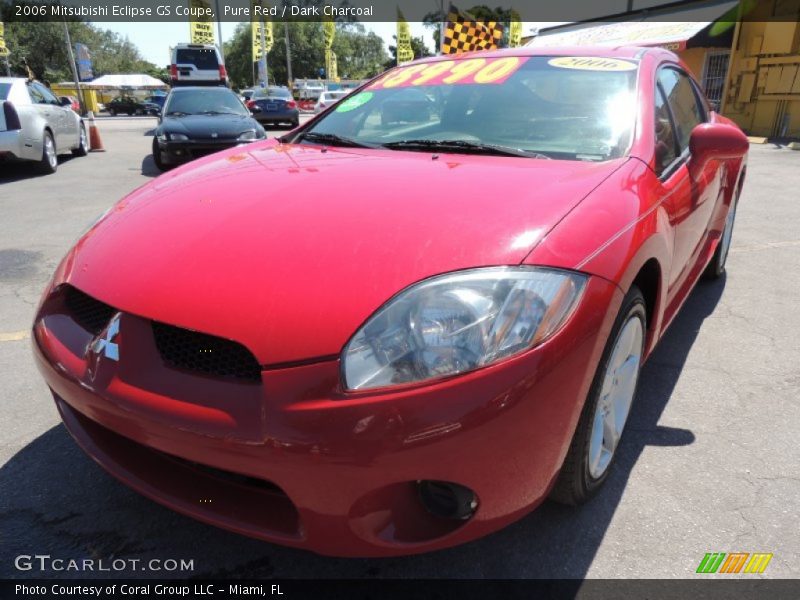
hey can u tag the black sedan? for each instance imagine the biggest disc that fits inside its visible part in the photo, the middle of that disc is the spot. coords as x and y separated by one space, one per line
197 121
129 106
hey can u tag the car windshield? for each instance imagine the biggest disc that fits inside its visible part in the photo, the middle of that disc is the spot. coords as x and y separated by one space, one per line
209 101
334 95
273 93
574 108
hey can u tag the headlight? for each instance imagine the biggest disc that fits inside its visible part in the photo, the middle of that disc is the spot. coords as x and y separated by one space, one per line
459 322
247 136
177 137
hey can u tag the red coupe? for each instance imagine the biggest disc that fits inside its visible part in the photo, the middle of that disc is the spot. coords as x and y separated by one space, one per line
380 336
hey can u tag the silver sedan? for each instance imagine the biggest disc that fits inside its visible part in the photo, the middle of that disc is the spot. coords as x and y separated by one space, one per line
36 126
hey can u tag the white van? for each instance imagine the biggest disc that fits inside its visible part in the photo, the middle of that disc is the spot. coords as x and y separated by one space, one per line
197 64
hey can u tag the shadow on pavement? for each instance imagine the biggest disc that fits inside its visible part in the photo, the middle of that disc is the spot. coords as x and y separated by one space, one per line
17 171
149 168
56 500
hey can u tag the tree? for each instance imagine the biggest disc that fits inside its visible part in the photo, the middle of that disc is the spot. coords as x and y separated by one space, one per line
359 54
42 46
417 45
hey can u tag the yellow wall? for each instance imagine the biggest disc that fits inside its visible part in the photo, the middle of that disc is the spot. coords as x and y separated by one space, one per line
89 96
694 59
763 94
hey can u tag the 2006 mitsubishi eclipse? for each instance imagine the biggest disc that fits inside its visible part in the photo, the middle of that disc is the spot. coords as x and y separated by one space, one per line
388 336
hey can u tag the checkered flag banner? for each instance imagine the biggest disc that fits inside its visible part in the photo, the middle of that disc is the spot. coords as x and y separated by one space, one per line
462 33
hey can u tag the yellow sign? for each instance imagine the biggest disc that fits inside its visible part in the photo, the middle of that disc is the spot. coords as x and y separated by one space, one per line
201 32
515 31
591 63
256 33
405 52
3 49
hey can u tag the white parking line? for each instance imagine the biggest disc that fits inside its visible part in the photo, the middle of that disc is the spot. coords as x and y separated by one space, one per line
14 336
766 246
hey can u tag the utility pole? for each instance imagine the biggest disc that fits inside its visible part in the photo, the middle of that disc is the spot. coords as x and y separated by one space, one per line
74 69
264 62
8 65
219 31
288 54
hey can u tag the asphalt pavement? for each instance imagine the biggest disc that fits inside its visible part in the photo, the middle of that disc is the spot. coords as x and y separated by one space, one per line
708 463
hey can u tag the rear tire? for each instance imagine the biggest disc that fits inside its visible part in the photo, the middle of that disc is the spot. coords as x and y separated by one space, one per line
49 162
602 422
716 268
83 144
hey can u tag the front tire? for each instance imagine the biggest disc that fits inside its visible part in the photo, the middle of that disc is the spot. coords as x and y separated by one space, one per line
605 413
49 162
160 164
83 144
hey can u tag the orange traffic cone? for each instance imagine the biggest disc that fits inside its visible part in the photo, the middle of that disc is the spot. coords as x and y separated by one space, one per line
95 143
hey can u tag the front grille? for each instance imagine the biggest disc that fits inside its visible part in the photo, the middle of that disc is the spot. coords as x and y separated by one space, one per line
87 312
206 354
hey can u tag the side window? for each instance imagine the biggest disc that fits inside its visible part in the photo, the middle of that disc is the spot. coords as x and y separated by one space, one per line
47 95
666 142
36 94
683 102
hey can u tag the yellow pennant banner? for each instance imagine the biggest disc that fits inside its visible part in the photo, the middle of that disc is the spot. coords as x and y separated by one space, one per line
201 32
405 52
256 25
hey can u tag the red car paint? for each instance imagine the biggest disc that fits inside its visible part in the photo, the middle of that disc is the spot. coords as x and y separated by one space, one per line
243 246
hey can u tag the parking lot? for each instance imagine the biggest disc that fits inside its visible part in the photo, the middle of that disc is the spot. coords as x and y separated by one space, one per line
708 462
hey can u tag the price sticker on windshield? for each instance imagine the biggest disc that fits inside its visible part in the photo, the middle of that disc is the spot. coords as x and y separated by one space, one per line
591 63
451 72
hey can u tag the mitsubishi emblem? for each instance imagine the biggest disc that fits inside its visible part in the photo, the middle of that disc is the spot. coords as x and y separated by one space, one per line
105 343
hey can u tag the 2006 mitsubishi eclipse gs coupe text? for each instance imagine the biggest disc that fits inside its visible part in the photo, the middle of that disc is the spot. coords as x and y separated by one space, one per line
422 354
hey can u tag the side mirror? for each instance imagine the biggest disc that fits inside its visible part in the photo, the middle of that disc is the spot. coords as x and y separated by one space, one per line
715 141
64 101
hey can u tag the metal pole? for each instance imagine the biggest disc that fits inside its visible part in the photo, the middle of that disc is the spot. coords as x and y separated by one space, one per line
441 27
264 53
288 54
74 69
219 32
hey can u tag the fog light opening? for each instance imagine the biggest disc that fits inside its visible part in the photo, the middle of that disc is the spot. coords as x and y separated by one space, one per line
447 500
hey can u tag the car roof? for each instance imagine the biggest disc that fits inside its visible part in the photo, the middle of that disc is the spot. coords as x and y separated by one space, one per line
634 52
11 79
194 88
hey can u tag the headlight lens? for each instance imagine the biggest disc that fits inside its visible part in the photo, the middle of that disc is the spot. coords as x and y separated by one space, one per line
247 136
459 322
177 137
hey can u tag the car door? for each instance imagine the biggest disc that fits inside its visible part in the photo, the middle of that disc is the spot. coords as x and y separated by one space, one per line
689 196
54 114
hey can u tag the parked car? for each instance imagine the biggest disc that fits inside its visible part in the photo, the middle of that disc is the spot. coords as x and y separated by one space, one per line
197 121
246 94
127 105
365 339
274 104
157 99
37 126
74 104
329 98
197 64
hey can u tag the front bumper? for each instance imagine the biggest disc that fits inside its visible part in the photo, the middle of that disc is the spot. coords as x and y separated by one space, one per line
292 459
185 151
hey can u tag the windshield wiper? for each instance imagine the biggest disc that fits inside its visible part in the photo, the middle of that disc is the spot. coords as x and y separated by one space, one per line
333 140
462 146
221 112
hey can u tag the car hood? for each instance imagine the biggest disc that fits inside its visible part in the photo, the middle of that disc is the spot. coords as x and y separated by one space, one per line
288 249
204 126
